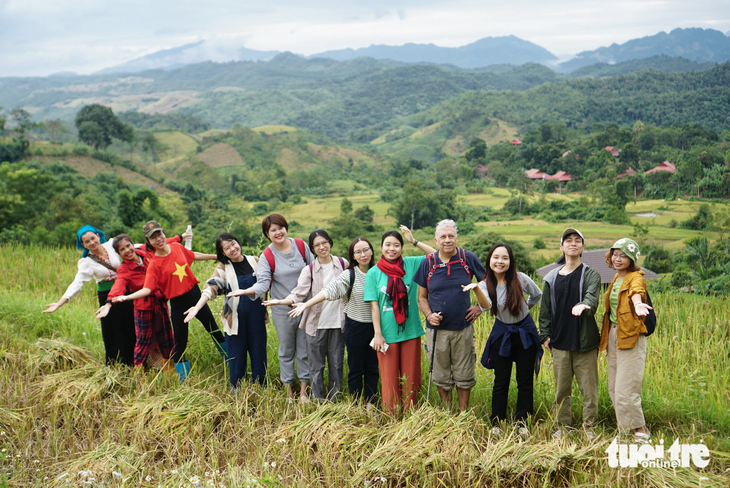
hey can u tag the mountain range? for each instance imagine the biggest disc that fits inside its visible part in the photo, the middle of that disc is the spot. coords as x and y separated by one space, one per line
695 44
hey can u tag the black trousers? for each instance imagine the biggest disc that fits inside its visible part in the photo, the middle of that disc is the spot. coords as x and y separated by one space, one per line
362 360
178 306
117 331
524 360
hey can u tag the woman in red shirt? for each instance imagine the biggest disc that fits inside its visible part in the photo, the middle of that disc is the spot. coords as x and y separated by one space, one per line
151 318
169 271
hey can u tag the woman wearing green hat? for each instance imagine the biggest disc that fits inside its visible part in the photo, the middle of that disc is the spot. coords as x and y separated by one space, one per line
624 336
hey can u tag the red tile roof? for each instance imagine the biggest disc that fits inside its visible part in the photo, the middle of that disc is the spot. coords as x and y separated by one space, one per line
665 166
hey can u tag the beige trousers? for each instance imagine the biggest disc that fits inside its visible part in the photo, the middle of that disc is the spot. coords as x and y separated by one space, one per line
625 375
584 366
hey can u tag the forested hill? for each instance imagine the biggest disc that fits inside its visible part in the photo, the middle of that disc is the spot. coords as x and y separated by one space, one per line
319 94
659 63
692 43
650 96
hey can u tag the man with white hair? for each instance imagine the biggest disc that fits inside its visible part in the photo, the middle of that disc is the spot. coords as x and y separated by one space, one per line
449 312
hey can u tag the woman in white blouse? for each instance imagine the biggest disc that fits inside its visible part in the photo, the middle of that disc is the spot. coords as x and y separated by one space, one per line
100 262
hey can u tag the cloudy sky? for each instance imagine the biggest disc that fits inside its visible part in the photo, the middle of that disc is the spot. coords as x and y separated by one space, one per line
40 37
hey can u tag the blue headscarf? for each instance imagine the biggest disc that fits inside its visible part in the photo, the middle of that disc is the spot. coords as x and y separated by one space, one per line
84 230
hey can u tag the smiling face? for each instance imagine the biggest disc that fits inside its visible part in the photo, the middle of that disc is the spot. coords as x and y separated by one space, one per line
90 240
321 247
158 240
572 245
277 234
362 252
232 250
499 262
446 240
391 248
619 260
126 251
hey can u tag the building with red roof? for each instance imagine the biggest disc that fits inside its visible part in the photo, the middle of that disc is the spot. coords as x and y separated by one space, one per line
515 142
536 174
665 166
614 152
561 176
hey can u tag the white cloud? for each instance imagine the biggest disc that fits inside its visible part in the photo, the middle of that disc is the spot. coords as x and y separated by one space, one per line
86 35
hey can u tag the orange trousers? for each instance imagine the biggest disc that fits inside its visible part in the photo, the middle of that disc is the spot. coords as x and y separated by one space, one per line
400 374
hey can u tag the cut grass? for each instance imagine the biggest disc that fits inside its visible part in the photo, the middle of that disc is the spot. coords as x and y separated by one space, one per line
61 407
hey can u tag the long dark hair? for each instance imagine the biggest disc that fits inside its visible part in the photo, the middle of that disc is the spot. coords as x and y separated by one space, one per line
515 293
351 253
224 236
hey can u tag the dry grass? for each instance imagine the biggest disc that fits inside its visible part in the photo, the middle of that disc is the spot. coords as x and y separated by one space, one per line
81 420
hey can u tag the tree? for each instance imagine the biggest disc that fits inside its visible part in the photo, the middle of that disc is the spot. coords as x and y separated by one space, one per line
345 206
108 125
55 128
21 118
152 145
365 214
128 135
92 134
2 122
477 149
418 206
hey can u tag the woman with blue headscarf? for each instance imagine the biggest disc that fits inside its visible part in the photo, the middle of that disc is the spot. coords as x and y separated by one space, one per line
100 261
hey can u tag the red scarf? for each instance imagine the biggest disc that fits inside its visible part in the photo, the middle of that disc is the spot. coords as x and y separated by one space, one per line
396 289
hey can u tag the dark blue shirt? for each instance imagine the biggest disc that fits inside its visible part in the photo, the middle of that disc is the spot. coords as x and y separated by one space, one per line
444 289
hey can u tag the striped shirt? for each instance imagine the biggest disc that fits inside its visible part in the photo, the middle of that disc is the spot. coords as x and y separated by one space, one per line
355 308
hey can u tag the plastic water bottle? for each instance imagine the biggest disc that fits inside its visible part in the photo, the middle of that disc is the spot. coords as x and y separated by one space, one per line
189 239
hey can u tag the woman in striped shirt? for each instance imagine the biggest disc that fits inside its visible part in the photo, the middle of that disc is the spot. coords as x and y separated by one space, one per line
362 360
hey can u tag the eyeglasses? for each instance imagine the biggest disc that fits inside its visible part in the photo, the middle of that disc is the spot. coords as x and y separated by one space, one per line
321 244
362 251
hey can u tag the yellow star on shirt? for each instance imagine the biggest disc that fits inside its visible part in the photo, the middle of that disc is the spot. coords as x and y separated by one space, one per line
180 271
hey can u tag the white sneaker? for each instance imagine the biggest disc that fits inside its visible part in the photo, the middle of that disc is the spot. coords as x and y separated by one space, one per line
496 432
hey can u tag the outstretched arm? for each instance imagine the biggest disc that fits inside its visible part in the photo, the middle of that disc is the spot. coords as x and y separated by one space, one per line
299 308
408 235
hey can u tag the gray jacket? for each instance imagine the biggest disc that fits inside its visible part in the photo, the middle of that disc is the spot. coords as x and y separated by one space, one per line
590 286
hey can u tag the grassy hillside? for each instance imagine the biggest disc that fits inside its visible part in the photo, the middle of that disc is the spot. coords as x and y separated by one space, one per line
650 96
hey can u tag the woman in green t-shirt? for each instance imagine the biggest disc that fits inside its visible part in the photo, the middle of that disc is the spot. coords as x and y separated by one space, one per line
393 296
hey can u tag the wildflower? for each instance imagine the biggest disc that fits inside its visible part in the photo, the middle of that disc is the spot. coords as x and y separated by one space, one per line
36 462
704 478
116 474
2 433
281 441
148 478
195 481
63 476
273 464
174 471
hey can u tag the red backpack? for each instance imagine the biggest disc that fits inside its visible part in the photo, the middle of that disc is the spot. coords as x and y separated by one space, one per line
272 261
432 265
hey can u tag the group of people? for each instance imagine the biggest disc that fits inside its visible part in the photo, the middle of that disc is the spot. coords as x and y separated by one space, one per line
322 304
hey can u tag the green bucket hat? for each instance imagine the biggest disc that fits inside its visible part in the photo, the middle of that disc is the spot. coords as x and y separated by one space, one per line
628 247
